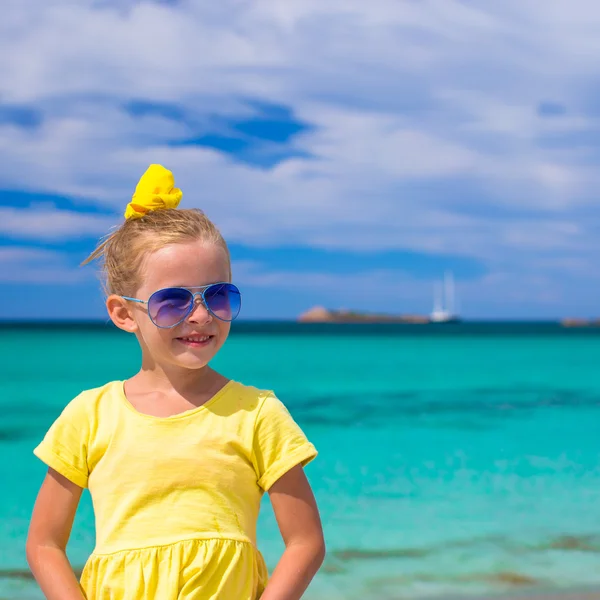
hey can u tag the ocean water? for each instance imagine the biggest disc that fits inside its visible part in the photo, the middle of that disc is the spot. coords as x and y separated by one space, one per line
453 459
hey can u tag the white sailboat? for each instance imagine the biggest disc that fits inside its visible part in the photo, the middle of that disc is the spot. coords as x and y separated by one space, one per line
444 301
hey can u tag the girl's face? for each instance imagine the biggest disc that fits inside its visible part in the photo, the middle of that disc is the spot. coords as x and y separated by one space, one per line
194 342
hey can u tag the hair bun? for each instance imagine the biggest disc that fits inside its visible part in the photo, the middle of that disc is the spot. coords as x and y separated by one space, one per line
155 191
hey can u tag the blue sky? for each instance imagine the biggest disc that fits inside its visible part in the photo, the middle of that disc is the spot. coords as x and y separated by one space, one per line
350 152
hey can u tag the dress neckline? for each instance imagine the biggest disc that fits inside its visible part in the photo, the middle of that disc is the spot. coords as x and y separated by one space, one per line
177 416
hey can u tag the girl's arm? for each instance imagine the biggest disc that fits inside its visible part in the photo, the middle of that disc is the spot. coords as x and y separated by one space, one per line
49 533
300 525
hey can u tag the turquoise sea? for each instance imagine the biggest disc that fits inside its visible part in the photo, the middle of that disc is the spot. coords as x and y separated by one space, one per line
460 458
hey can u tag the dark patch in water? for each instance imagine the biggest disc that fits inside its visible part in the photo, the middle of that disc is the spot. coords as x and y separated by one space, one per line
511 578
566 542
503 578
584 543
26 574
400 395
350 554
332 568
12 434
491 540
358 554
22 574
26 407
474 409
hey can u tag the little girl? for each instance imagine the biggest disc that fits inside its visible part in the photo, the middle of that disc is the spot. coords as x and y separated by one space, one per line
176 457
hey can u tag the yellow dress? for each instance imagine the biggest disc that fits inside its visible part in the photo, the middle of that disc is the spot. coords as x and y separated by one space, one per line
176 499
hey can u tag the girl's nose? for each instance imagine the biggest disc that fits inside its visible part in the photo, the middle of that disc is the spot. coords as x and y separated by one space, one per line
199 314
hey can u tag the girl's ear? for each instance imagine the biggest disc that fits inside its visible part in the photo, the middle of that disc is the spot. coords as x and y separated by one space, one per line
120 312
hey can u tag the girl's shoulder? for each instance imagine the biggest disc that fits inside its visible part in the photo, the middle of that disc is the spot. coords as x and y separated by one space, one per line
250 403
76 440
92 398
91 404
243 397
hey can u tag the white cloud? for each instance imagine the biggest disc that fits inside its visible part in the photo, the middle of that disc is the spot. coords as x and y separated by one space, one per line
48 223
20 264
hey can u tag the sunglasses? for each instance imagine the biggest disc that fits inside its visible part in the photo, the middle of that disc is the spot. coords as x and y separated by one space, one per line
171 306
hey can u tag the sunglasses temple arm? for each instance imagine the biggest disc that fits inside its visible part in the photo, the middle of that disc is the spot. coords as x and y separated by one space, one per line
134 299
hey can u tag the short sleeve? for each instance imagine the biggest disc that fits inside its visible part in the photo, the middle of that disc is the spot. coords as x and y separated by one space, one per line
65 445
279 443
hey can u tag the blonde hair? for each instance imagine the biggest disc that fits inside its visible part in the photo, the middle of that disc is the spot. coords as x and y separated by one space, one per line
123 251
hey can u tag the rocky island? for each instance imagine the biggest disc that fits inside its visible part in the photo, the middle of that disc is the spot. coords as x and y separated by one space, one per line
578 322
319 314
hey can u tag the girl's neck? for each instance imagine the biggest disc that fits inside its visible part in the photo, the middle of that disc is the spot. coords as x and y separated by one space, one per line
185 382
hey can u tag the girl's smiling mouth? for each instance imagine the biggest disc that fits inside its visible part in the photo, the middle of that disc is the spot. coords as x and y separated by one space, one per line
195 341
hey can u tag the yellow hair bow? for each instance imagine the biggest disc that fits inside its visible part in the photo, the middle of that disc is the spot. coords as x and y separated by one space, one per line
155 191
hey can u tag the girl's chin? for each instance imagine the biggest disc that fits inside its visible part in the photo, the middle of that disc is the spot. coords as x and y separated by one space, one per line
193 359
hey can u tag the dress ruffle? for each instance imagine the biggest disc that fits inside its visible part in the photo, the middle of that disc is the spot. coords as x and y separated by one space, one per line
197 569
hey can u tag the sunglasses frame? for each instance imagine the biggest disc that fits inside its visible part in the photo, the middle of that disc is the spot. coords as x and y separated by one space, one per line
201 293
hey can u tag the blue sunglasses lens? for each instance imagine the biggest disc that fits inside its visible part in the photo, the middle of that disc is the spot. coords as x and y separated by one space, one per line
170 306
223 300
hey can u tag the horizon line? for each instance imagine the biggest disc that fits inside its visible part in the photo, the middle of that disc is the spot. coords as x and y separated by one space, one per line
463 320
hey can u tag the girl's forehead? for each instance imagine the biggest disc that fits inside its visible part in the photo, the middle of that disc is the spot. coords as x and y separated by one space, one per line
197 263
